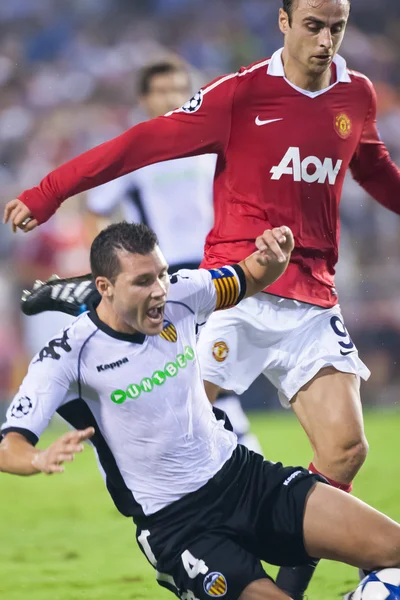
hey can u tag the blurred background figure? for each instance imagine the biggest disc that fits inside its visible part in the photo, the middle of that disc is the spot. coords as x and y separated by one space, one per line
175 197
66 84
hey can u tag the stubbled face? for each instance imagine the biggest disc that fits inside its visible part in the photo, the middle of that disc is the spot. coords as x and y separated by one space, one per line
315 34
137 296
167 92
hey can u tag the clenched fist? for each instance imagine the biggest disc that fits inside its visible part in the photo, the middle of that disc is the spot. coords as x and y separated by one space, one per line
274 245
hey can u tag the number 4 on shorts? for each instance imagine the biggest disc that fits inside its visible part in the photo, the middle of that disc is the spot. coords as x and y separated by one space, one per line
144 542
193 566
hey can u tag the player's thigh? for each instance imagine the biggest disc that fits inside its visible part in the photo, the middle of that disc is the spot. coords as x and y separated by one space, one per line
263 589
329 409
215 565
328 371
339 527
277 517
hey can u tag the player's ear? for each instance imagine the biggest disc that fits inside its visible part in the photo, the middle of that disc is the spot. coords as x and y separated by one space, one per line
284 23
104 286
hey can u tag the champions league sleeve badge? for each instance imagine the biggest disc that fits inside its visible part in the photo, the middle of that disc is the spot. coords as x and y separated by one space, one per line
193 105
21 407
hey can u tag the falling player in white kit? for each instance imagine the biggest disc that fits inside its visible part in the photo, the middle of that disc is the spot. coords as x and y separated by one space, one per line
126 375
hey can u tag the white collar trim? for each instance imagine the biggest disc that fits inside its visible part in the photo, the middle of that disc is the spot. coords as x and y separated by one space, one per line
275 69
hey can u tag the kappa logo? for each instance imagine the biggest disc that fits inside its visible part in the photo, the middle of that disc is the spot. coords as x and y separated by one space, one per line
310 170
50 350
215 585
113 365
291 477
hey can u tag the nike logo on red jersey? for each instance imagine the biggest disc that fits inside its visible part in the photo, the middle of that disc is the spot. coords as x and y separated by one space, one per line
259 122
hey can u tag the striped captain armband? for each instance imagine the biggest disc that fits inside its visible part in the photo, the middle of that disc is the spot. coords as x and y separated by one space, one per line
230 285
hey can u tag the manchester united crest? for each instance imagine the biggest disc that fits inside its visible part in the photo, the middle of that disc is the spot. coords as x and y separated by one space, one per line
343 125
220 351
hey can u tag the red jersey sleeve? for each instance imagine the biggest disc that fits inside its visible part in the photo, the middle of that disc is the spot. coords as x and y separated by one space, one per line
201 126
372 166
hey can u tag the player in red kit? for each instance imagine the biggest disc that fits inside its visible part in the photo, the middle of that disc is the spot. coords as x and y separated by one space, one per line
285 130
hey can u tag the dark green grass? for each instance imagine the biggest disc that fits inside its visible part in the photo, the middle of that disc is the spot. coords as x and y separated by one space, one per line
62 539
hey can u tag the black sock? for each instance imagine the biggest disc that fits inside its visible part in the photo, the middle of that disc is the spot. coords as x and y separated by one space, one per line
294 580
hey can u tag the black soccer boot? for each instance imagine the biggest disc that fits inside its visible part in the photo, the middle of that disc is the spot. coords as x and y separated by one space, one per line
71 295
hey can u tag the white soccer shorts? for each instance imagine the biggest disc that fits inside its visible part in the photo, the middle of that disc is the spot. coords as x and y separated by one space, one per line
286 340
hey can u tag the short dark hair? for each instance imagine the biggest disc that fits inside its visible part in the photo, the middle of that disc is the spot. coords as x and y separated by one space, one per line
163 67
288 6
136 238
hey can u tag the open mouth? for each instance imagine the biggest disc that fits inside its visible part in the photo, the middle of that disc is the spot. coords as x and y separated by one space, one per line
323 57
156 314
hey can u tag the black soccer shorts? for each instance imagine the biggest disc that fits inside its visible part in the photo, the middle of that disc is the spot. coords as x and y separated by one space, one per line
210 544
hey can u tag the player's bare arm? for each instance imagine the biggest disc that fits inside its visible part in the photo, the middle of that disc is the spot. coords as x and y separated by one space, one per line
19 457
269 262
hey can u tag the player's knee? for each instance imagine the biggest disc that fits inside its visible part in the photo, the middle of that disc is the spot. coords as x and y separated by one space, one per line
357 454
343 460
352 457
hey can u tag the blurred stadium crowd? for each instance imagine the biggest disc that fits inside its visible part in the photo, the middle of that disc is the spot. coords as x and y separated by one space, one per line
67 82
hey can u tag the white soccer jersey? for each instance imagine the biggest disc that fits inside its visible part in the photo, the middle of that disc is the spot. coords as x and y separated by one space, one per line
168 197
157 438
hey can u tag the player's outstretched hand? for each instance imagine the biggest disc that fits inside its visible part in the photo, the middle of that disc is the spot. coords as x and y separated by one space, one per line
275 245
18 215
61 451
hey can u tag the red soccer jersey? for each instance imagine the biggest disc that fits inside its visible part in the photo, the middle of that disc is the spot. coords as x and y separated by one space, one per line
282 156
